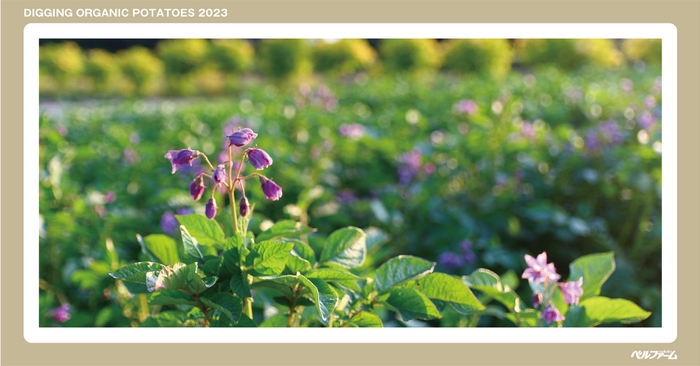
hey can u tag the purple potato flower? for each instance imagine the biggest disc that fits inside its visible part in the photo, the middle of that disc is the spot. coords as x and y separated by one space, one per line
646 121
259 159
591 142
242 137
197 188
450 260
169 223
271 190
467 253
210 208
551 314
62 313
243 205
539 270
352 130
528 130
572 291
466 106
110 197
611 131
219 175
179 158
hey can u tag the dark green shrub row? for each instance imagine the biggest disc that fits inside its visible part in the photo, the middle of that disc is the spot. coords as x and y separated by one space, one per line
189 66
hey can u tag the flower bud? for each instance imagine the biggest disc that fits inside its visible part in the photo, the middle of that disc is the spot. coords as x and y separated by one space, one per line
244 207
179 158
536 299
210 208
271 190
219 175
242 137
259 159
197 188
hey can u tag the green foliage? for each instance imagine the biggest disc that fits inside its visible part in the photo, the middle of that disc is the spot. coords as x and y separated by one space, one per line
646 50
475 56
342 57
598 310
62 61
141 68
231 55
568 54
282 59
182 56
102 68
409 54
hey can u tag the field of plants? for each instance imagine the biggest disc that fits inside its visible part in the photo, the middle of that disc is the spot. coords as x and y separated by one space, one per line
416 180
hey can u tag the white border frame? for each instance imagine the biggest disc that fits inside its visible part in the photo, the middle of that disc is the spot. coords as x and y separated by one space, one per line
665 334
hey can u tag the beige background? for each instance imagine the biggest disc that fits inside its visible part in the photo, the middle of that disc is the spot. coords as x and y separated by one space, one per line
684 14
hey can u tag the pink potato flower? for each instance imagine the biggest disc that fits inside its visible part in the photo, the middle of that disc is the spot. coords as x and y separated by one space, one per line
539 270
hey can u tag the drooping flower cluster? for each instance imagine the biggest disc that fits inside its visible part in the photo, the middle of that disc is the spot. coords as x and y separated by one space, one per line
226 176
541 272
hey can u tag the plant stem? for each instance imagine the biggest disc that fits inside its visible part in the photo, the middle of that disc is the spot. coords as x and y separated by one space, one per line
231 190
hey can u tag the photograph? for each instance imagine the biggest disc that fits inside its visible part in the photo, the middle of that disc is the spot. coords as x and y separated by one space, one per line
350 183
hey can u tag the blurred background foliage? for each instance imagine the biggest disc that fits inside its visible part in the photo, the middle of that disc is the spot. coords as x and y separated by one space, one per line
514 146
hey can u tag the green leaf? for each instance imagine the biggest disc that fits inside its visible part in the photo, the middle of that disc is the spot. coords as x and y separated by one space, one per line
410 304
595 270
283 284
231 263
181 277
366 320
400 269
163 247
484 278
322 294
488 283
227 304
525 318
303 250
337 275
295 263
245 322
239 285
332 274
136 272
213 266
190 245
510 279
284 229
207 232
234 242
268 258
345 247
278 320
443 287
170 318
375 238
599 310
145 250
171 297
